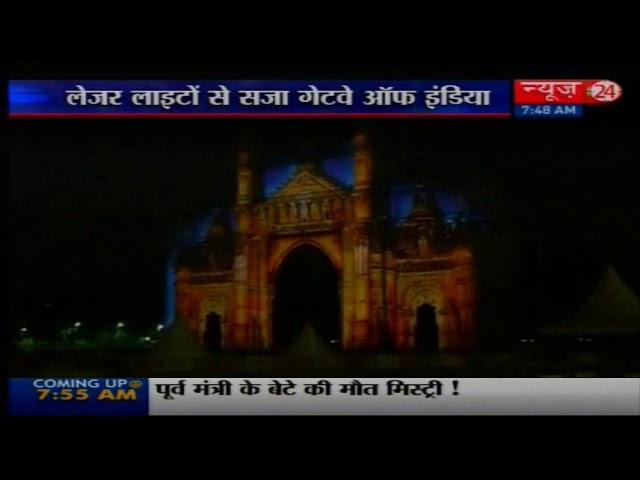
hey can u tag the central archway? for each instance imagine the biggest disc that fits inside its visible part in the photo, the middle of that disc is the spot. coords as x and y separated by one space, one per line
306 292
212 336
426 332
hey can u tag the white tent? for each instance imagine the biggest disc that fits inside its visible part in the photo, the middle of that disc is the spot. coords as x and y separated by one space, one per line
179 350
611 309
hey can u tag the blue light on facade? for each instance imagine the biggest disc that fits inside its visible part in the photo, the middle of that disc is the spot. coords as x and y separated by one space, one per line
276 177
196 232
340 168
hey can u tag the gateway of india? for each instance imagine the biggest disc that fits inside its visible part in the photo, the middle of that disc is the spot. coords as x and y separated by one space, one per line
402 287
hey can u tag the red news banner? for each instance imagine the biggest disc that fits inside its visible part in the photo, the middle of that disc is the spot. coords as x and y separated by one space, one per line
565 92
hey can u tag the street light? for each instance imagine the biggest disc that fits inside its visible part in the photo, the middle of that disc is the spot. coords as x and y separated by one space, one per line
160 327
77 324
120 325
24 330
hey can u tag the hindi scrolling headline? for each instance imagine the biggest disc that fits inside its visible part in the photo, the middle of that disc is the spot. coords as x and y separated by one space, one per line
395 396
429 389
265 98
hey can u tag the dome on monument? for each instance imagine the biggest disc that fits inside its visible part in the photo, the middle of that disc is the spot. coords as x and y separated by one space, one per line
424 206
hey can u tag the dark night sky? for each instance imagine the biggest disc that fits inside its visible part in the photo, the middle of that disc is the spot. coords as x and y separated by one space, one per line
95 204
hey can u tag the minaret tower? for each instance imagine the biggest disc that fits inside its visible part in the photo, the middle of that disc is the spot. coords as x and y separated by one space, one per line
241 329
358 328
363 169
244 195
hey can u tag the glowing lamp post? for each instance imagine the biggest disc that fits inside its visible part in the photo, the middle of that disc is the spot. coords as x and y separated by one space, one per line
119 330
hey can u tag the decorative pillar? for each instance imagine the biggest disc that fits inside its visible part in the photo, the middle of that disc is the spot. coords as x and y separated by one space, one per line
365 318
243 211
263 294
348 310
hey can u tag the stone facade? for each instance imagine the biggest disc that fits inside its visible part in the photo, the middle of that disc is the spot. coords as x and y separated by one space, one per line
386 274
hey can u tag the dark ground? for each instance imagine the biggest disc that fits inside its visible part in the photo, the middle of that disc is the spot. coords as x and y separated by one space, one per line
177 355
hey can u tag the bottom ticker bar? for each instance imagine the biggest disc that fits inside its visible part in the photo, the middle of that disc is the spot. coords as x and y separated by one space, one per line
324 396
407 396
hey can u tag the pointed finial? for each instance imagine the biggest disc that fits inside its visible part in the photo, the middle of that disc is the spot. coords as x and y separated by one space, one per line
361 139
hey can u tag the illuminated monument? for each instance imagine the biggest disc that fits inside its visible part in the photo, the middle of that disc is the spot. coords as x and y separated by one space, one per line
373 286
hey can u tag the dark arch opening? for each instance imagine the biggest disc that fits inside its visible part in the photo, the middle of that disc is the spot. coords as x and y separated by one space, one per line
212 338
306 291
426 333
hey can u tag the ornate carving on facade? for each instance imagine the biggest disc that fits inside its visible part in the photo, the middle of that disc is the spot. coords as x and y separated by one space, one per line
386 272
